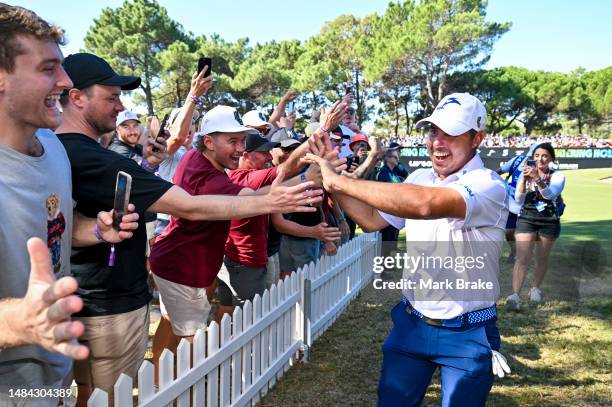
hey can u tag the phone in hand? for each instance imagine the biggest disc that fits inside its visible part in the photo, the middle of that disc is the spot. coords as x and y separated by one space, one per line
531 163
123 188
291 107
347 90
203 62
161 132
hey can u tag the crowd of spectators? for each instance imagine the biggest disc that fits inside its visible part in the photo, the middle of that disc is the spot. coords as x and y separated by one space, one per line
557 141
221 206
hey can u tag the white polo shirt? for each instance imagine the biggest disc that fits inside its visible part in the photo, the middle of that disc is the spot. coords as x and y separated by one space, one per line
480 235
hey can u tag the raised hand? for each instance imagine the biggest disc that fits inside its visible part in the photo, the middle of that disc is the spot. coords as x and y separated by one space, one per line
328 171
332 117
42 317
290 95
297 198
376 147
200 84
155 151
286 122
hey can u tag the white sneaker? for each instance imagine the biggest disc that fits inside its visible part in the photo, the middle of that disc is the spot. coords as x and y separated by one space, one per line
535 295
513 302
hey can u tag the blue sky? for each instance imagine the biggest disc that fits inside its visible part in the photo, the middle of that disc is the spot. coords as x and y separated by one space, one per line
552 35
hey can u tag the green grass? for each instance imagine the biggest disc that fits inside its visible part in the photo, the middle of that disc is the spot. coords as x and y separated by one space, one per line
560 352
588 215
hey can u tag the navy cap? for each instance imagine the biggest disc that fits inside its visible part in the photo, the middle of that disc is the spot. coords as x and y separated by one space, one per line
255 142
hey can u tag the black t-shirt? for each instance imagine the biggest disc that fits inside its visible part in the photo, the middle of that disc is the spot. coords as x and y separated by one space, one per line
122 288
274 240
126 150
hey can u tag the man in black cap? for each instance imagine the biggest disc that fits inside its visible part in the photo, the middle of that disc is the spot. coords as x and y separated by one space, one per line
113 280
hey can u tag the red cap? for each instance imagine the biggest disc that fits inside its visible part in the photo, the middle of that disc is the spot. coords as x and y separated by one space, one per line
357 138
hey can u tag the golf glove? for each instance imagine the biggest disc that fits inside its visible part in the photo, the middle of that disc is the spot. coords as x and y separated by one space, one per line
500 365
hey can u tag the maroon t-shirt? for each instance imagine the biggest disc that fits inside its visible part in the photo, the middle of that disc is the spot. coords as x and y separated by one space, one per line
191 252
248 238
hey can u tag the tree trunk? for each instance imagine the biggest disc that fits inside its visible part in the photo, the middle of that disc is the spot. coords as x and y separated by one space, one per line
178 94
149 97
358 98
407 118
396 110
146 86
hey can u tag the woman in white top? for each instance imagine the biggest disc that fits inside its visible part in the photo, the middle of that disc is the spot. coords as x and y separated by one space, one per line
538 191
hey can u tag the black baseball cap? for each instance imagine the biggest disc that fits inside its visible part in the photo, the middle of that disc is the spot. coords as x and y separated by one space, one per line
255 142
339 133
86 70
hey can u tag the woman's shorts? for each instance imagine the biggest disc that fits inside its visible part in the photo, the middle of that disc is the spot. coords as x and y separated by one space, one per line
549 227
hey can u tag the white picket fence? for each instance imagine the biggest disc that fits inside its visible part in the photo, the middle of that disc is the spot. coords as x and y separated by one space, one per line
237 362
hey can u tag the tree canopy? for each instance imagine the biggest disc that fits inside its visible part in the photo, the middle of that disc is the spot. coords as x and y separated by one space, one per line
398 64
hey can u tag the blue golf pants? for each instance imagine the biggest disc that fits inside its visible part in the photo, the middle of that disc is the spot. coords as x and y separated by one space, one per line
413 351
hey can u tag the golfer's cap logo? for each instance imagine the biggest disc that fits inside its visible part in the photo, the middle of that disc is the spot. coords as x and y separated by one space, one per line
238 118
262 117
449 101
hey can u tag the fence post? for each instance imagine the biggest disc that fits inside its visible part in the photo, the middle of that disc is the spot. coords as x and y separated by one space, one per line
99 398
306 310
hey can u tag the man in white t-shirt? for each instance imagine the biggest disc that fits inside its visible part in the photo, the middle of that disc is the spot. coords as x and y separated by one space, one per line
454 214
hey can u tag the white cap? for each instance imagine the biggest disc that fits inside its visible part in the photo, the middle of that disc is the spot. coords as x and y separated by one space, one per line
456 114
255 118
223 119
126 115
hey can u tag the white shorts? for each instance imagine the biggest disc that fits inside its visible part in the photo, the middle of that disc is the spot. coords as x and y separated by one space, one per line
186 307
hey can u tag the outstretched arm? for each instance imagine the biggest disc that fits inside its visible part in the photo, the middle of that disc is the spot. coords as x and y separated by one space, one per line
278 199
320 232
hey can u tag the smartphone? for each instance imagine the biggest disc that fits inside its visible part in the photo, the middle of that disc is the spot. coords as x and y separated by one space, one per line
162 127
352 160
291 107
347 90
161 133
531 163
202 62
123 188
